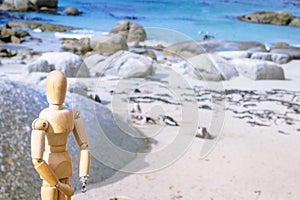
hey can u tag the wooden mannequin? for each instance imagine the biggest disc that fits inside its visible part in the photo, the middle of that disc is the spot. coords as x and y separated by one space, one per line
49 142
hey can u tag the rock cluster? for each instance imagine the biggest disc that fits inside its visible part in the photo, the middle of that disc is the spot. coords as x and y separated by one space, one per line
284 48
278 18
27 5
40 25
121 34
78 46
192 48
9 35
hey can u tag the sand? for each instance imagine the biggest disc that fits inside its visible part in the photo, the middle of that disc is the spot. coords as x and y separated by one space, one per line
243 161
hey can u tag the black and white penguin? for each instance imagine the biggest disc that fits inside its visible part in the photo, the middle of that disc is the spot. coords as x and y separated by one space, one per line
202 133
295 98
167 120
142 119
136 108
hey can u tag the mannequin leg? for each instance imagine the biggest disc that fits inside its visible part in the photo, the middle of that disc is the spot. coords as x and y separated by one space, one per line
48 192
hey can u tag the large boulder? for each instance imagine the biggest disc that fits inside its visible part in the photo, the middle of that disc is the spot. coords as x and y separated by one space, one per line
279 18
284 48
39 65
27 5
108 44
211 67
92 61
279 58
133 32
78 46
124 64
258 69
192 48
22 104
68 63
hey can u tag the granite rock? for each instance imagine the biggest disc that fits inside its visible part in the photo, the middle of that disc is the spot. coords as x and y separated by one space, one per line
133 32
284 48
108 44
27 5
126 65
279 18
68 63
40 25
211 67
192 48
71 11
258 69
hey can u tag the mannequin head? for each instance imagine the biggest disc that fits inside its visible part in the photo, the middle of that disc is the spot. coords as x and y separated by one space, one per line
56 87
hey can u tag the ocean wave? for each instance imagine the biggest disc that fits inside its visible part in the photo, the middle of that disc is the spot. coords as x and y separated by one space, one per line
76 34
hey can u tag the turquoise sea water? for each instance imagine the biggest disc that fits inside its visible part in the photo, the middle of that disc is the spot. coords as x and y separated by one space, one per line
193 18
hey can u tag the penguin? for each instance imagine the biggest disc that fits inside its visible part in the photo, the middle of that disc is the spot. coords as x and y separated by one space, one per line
167 120
202 133
137 90
295 98
136 108
142 119
97 98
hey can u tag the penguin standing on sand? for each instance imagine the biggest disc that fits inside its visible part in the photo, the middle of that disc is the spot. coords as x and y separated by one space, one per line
295 98
202 133
142 119
136 108
167 120
97 99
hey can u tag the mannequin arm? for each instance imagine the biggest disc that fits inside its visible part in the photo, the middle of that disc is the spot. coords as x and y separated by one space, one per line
84 154
39 126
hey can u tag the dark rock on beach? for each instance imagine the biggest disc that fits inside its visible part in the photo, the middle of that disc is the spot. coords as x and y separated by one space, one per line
7 52
40 25
9 35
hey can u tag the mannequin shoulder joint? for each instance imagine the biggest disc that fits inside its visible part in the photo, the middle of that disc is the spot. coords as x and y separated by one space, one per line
40 124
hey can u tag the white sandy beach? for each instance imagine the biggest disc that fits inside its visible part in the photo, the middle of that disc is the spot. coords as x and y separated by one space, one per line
247 162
